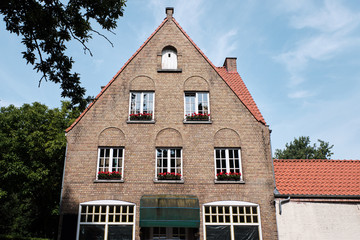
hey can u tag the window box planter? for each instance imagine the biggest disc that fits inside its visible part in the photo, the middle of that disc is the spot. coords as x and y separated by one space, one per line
109 175
141 117
197 117
169 176
230 176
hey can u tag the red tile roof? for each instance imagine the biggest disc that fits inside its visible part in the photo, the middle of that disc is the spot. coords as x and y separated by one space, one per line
232 79
317 177
235 82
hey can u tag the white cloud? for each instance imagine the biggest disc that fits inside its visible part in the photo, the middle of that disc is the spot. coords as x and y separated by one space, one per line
225 45
300 94
5 103
331 29
332 17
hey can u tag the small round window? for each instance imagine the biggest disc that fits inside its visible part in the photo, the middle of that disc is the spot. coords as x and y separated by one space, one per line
169 58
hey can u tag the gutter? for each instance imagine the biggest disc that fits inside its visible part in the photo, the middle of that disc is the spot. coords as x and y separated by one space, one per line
278 195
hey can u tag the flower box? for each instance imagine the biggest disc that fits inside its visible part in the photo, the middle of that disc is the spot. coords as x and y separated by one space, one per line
141 117
109 175
230 176
169 176
197 117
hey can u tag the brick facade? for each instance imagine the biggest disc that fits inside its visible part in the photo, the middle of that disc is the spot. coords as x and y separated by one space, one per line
232 125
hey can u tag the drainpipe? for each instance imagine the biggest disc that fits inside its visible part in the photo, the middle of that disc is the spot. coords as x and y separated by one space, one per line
282 202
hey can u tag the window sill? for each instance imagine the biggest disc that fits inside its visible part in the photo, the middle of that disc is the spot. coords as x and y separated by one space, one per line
140 121
197 122
181 181
229 182
178 70
108 181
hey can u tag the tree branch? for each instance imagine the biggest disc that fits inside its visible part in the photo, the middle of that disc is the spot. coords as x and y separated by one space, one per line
103 36
82 42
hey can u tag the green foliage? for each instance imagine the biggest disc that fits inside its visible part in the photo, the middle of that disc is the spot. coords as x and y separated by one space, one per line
32 151
47 25
301 149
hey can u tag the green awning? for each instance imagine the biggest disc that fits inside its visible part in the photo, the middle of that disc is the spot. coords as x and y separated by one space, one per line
169 211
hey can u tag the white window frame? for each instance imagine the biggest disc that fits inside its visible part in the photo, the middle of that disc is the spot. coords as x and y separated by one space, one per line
169 58
168 161
196 102
232 204
142 102
228 161
110 160
106 203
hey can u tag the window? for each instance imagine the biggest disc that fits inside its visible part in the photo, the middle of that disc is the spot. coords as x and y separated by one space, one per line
141 106
110 163
197 104
169 58
168 164
106 220
228 161
232 220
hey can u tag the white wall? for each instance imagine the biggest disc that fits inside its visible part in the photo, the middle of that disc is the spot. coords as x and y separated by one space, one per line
308 220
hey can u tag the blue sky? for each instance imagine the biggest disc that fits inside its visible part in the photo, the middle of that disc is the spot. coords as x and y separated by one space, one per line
299 59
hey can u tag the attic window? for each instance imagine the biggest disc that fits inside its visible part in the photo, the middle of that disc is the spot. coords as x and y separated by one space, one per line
169 58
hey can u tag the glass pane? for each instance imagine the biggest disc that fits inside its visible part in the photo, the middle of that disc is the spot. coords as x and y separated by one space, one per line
231 153
91 232
218 232
254 210
120 232
207 210
246 232
131 209
223 155
217 153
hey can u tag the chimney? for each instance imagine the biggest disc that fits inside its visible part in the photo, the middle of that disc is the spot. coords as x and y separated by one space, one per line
230 64
169 12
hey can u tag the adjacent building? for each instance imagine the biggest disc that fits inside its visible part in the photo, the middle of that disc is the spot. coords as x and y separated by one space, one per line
317 199
172 147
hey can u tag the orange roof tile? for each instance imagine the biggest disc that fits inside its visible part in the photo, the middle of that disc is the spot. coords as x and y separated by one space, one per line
232 79
320 177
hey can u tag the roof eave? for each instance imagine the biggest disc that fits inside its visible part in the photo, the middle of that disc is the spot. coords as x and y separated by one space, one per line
317 196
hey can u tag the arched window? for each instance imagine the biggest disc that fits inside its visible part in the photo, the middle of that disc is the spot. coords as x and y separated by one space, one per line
106 219
231 220
169 58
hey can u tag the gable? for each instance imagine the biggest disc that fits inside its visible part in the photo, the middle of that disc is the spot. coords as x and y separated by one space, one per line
232 79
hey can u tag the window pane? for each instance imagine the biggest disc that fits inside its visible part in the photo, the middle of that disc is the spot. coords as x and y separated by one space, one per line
189 103
246 232
91 232
135 103
218 232
120 232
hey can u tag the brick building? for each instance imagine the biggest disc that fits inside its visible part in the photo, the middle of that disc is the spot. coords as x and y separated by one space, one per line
149 157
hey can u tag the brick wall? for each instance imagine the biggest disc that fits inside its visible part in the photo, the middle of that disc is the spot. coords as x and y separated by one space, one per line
232 126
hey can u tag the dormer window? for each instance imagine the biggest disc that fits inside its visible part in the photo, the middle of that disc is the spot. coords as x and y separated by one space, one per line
169 58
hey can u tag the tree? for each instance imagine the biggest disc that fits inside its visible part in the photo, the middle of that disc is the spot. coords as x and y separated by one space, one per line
47 25
301 149
32 151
